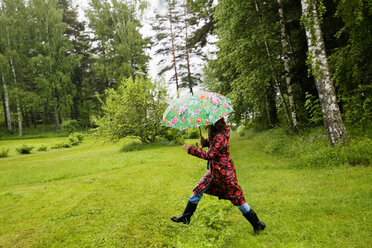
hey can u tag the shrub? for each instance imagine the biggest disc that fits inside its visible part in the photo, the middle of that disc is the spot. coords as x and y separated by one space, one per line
4 153
75 138
192 133
173 136
42 148
24 149
70 126
359 152
134 109
65 144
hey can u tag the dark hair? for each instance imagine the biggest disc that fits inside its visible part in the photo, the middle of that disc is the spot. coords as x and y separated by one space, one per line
216 128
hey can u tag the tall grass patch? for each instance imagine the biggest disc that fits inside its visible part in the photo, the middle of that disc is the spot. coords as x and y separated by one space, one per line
311 148
4 152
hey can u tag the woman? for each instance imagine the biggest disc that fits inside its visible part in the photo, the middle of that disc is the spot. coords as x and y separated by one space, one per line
220 180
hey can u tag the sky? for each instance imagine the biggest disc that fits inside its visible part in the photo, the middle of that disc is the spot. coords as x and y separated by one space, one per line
146 30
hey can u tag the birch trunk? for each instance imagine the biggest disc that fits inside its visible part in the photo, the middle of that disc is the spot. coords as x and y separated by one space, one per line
288 78
6 103
276 81
56 117
327 95
19 114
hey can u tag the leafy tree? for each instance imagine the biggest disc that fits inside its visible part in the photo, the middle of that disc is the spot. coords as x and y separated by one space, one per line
319 66
351 62
119 45
52 60
135 108
14 36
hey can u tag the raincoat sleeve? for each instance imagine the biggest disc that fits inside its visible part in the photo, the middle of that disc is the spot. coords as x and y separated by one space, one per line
211 154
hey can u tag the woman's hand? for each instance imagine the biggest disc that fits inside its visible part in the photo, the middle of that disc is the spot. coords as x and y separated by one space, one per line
186 147
203 142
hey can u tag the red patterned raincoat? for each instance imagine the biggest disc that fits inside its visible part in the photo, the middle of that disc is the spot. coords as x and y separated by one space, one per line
222 170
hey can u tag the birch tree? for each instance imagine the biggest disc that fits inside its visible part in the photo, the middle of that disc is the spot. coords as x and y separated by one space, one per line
8 117
319 65
285 58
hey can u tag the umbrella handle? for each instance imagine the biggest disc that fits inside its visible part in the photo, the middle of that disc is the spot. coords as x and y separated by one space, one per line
200 132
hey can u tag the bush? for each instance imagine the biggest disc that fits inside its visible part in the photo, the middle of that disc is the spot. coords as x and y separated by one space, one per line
42 148
4 153
75 138
65 144
359 152
70 126
24 149
134 108
192 133
173 136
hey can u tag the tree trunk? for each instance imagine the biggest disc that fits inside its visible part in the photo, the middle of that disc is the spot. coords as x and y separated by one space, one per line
288 78
187 57
6 104
173 50
34 116
19 114
56 117
277 84
327 95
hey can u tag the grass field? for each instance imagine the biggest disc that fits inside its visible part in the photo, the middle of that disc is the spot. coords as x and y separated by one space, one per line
94 195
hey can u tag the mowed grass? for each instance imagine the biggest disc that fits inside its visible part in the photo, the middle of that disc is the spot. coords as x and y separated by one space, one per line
94 195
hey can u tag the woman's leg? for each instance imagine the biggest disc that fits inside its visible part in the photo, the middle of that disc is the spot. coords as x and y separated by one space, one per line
190 207
244 208
196 198
251 216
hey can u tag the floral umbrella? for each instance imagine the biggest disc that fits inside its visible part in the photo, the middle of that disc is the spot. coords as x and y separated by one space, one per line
197 110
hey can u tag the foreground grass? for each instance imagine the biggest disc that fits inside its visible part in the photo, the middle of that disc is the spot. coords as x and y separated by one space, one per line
93 195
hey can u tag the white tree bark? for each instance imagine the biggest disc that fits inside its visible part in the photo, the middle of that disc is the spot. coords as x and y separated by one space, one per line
288 78
7 109
19 112
276 81
56 117
327 95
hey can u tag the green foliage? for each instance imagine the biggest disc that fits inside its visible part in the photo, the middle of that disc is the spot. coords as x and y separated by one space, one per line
120 47
192 133
351 63
24 149
134 109
70 126
4 152
312 105
64 144
174 135
312 150
42 148
75 138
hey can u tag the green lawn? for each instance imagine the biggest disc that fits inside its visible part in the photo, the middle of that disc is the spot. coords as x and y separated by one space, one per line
93 195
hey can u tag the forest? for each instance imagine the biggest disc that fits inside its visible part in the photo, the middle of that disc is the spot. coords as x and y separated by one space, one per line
292 64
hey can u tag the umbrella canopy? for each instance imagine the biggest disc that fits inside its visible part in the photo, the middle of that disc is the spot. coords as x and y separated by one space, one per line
197 110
